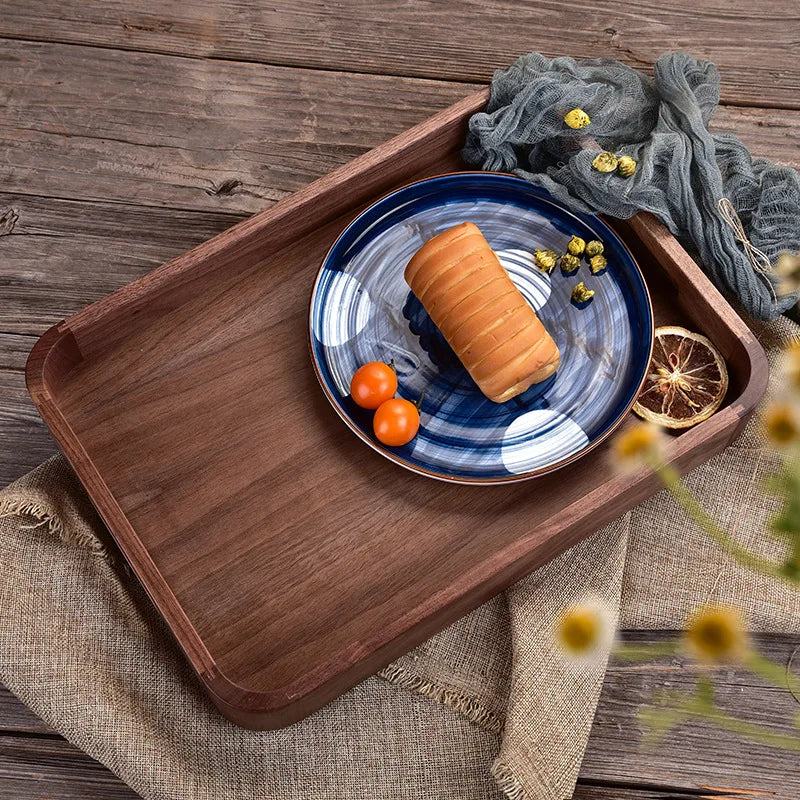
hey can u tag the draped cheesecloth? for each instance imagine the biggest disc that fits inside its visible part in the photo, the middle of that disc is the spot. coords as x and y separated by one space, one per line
662 123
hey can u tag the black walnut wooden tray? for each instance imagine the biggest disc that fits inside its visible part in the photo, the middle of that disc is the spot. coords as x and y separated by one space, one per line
289 560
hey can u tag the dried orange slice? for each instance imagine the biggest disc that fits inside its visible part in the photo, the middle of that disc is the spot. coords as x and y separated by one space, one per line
686 381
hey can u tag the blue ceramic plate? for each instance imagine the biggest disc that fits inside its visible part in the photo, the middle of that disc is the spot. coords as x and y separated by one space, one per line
362 310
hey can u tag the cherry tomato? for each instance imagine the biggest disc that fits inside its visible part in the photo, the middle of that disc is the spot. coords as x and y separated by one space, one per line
373 384
396 422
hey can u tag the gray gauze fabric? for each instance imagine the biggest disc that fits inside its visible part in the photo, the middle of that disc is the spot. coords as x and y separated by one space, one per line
662 123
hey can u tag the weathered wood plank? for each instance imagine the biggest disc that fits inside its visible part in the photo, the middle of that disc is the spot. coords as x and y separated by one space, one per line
619 791
26 440
767 132
696 756
64 254
35 768
89 123
15 717
14 350
95 124
754 44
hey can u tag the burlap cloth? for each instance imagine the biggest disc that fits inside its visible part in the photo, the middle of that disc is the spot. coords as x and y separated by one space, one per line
488 706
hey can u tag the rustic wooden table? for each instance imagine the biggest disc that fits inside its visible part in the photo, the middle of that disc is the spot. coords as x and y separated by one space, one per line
133 131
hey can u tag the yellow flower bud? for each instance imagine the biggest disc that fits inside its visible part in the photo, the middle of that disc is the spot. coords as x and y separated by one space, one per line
584 628
605 162
626 166
781 424
597 264
577 118
545 260
594 248
639 442
581 294
570 264
576 246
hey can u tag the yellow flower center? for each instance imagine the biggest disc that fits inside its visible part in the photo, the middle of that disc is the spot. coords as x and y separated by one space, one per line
580 630
716 633
639 441
781 424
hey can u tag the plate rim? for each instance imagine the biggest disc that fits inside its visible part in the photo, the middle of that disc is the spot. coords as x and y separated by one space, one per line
464 479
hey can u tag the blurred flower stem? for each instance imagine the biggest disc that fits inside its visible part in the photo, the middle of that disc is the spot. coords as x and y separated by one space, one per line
689 503
716 634
677 708
775 674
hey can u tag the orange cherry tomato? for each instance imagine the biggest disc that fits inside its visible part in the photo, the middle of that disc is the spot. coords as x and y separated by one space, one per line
373 384
396 422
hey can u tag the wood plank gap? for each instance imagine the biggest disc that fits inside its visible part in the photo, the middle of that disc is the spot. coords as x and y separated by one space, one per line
10 733
650 786
278 63
235 216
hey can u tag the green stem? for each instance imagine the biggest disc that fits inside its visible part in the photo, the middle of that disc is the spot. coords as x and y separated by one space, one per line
749 730
663 720
672 480
644 652
775 674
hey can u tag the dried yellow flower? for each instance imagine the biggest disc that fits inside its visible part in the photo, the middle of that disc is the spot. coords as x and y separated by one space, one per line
545 260
584 628
640 442
576 246
570 264
626 166
781 424
581 294
597 264
716 634
594 248
605 162
577 118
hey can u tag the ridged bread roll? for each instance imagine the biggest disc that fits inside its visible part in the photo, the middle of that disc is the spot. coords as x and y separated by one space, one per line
488 323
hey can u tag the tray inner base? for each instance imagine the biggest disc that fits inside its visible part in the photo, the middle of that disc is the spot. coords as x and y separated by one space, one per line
285 540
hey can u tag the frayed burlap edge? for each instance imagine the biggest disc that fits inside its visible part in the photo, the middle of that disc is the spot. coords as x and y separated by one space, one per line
471 708
46 515
508 782
33 505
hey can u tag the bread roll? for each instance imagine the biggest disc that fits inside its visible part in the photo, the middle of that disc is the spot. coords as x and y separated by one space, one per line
488 323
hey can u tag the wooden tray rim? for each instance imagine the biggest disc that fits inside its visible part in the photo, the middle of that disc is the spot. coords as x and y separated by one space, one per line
504 566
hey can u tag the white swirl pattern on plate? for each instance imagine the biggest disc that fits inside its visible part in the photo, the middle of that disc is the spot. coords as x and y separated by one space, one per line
556 435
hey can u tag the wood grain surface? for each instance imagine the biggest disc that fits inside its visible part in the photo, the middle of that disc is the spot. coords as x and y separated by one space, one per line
77 123
754 44
99 239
